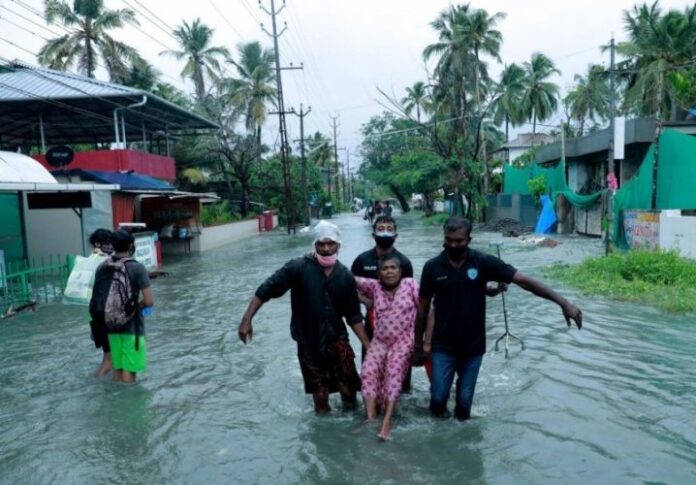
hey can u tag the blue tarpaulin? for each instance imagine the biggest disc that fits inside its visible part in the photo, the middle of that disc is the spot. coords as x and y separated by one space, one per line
127 180
547 218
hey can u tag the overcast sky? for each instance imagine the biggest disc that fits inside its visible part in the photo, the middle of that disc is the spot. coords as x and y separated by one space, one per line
351 47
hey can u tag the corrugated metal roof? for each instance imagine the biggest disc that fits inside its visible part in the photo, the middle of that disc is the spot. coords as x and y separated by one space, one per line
31 82
76 109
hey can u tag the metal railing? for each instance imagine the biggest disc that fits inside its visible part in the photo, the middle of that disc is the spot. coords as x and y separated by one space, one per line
35 281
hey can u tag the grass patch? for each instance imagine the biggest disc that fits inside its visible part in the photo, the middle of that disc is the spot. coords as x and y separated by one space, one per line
659 278
435 219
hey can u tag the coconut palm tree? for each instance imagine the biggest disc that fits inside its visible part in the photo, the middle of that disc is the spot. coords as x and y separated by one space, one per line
589 98
453 70
202 59
659 44
89 23
507 104
417 98
254 88
540 96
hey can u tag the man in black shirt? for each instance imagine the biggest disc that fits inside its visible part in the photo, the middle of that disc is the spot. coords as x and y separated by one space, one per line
322 294
456 342
365 266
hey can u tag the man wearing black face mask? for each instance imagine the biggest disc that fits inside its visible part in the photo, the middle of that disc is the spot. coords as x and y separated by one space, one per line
456 339
365 266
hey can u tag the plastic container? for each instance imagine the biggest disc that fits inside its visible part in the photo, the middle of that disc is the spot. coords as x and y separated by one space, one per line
147 311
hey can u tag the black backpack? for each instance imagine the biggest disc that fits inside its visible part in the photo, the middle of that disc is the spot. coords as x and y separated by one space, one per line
114 302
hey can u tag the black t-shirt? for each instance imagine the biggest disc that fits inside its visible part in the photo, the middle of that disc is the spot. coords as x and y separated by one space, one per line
365 265
319 303
460 300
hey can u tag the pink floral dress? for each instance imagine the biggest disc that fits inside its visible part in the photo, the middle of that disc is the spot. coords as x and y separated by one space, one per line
389 355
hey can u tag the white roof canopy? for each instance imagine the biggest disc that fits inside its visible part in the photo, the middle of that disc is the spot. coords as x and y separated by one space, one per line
15 167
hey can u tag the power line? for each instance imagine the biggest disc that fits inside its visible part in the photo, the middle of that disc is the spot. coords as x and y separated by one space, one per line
17 46
232 27
29 20
149 19
23 28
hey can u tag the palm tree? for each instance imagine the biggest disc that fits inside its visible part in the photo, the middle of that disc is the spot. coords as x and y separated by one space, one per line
89 24
479 30
540 97
589 99
253 90
507 104
658 45
417 98
455 60
201 58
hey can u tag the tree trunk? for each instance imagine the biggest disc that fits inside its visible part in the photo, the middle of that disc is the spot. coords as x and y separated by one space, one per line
533 127
402 200
245 198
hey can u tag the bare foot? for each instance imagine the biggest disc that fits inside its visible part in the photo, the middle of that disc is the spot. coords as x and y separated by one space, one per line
385 432
104 369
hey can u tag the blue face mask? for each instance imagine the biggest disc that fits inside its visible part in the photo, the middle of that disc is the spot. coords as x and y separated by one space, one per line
385 239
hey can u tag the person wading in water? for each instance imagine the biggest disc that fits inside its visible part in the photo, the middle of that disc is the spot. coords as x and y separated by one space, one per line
323 294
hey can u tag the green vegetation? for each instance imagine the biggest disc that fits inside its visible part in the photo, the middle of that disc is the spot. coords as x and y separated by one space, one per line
217 213
537 187
659 278
435 219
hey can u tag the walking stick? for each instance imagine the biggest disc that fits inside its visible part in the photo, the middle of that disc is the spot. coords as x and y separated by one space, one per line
507 335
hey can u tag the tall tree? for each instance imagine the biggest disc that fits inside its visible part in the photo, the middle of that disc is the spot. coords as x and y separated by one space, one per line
507 104
202 59
589 98
417 98
89 23
254 88
540 98
659 44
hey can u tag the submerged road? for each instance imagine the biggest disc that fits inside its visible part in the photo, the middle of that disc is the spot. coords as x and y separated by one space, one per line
613 403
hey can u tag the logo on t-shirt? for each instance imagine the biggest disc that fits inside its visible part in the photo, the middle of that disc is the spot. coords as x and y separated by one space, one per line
472 273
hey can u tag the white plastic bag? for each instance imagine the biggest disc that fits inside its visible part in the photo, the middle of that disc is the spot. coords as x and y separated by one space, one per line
78 290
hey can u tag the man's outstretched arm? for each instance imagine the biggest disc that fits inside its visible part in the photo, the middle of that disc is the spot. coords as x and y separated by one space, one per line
246 330
570 311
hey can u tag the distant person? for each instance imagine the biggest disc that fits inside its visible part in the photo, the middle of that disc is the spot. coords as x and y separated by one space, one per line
378 208
457 279
369 213
366 266
388 209
323 294
102 247
388 359
116 303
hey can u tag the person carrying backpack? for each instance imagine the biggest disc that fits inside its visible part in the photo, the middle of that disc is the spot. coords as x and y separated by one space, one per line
119 283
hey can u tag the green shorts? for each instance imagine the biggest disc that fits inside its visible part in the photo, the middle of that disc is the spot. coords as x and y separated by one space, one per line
123 353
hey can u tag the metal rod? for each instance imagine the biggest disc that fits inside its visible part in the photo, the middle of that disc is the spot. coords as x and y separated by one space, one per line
507 335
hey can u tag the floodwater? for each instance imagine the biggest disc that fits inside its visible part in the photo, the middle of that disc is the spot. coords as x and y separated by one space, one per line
613 403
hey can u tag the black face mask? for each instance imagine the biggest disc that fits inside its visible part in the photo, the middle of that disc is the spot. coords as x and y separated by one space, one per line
455 253
385 240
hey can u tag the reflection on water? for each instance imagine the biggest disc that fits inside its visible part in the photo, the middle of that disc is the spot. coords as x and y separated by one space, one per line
613 403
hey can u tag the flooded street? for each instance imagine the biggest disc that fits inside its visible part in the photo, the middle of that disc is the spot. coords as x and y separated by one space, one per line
613 403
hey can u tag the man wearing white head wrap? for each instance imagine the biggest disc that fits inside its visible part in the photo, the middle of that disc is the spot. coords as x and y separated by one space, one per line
323 297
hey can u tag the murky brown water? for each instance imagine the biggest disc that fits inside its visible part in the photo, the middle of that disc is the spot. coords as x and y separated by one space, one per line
614 403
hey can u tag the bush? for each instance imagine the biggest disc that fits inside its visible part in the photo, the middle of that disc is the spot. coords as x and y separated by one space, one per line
435 219
218 213
659 278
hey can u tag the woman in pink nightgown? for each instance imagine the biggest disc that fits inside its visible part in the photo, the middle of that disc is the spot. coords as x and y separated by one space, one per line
389 356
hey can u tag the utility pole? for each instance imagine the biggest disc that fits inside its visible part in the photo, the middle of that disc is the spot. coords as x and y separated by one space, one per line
301 115
610 153
284 160
334 120
347 183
